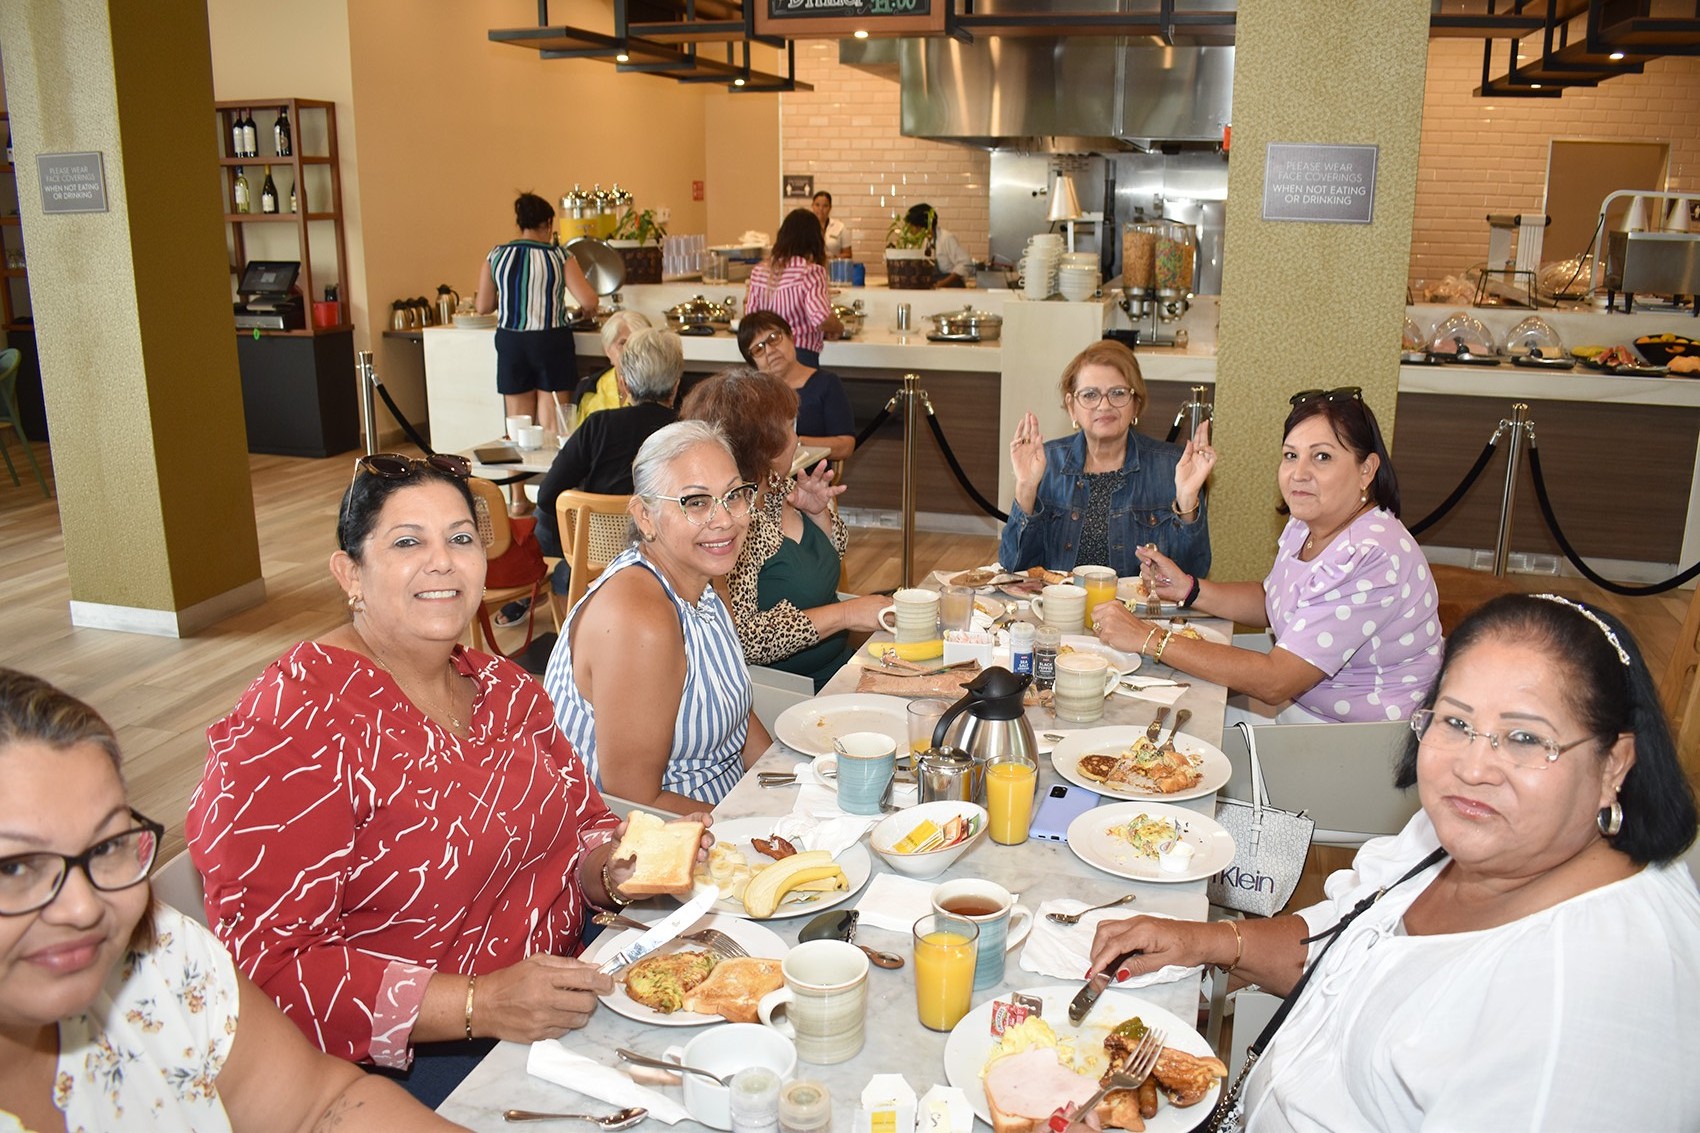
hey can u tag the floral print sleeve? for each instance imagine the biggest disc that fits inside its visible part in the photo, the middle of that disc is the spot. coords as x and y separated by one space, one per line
148 1052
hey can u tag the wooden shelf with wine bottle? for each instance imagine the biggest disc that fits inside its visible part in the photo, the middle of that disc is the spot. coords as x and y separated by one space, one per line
315 184
14 285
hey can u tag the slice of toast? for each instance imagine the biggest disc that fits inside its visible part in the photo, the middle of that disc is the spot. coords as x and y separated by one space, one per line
665 854
735 988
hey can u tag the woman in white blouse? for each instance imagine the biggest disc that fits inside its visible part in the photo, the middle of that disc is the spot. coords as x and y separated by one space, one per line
1533 959
115 1012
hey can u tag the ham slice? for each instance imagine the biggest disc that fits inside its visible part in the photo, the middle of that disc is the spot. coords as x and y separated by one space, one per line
1023 1090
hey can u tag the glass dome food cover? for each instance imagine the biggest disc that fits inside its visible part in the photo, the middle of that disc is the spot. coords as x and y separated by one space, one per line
1415 340
1534 335
1462 333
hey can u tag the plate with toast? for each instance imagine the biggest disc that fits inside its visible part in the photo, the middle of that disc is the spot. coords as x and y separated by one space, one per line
683 984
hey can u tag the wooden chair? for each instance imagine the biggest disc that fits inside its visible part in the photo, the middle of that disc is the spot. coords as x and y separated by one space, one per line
1679 692
178 883
497 535
594 529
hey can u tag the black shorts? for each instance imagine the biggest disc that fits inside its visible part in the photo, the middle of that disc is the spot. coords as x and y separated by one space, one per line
535 359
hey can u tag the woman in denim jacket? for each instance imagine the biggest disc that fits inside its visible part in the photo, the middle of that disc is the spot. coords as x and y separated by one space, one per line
1094 497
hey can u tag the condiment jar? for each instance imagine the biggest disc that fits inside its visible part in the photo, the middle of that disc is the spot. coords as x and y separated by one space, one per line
753 1100
804 1107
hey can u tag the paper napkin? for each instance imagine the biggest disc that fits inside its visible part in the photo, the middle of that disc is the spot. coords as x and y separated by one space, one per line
896 903
553 1062
1159 694
1064 951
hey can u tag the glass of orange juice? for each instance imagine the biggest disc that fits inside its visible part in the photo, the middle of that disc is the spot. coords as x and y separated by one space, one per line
945 949
1100 583
1011 781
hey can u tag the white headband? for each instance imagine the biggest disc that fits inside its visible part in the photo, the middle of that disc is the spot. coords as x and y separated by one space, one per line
1622 654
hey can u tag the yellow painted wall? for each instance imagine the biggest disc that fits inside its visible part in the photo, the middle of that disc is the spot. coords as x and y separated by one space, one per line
741 152
1307 305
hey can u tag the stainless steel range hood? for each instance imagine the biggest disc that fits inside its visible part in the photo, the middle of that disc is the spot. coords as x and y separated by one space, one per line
1056 95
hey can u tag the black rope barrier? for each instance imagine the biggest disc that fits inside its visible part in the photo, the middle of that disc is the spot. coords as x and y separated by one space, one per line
1458 493
424 446
1583 568
873 426
1174 431
962 477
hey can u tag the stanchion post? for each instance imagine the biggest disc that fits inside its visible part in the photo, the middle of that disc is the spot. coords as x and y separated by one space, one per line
1508 500
911 429
1199 410
368 411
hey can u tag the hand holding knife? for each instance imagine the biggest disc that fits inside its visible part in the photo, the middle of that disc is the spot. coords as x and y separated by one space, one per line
1082 1003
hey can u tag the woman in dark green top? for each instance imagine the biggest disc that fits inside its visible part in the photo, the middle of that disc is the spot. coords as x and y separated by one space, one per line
783 592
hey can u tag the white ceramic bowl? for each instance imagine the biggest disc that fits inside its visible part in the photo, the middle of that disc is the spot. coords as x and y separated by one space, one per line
893 827
725 1051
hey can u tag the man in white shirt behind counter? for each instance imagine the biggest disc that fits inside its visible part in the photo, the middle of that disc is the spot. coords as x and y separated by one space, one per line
955 265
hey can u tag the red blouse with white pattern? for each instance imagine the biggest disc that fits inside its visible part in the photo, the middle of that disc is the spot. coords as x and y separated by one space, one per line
352 847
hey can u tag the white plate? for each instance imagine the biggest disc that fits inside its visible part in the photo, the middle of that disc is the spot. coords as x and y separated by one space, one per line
1113 741
856 862
1123 663
810 726
1092 843
757 941
1208 633
971 1041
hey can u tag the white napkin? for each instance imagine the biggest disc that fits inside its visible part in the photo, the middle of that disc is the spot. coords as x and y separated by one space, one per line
834 835
1160 694
1046 745
1064 951
553 1062
896 903
817 802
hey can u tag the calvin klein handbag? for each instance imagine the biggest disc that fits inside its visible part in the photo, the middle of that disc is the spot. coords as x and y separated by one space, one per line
1269 847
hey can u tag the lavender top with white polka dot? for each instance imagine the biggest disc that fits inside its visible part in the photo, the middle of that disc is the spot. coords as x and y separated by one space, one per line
1365 612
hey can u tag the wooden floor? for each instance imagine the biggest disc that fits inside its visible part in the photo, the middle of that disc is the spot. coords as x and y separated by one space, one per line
161 693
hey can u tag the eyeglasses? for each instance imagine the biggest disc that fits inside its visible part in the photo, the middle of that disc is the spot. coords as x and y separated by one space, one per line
699 506
762 345
32 881
1521 746
1117 396
1342 393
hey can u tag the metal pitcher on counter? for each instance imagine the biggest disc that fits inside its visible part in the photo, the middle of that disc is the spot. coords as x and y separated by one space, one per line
994 724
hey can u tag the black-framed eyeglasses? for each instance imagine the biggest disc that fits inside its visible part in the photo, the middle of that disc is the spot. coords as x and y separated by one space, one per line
32 881
699 506
1340 393
1522 746
1117 396
762 345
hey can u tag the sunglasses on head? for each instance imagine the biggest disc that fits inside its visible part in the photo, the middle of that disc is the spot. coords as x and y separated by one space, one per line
1341 393
398 466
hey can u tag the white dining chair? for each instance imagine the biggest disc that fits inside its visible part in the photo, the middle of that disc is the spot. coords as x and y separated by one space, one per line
178 884
777 690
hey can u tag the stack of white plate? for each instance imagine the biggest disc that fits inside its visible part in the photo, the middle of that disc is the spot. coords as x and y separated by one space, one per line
1078 277
1039 266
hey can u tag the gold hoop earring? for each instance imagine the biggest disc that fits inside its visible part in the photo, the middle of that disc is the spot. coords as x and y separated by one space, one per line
1610 819
356 604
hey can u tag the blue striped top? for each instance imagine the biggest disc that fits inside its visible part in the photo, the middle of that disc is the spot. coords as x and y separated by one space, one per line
706 760
531 285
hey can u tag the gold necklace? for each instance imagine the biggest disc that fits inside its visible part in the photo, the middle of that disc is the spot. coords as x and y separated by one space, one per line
454 721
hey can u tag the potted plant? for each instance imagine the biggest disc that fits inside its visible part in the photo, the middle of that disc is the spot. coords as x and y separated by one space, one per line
909 254
637 237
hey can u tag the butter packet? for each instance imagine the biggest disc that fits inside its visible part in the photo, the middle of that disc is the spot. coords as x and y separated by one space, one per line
944 1109
888 1106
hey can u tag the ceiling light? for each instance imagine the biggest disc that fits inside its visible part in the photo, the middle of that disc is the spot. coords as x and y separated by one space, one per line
622 57
737 82
1615 56
861 35
1534 86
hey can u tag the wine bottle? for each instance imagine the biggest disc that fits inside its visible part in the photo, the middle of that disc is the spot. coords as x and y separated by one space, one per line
243 201
268 193
238 147
280 132
250 136
294 202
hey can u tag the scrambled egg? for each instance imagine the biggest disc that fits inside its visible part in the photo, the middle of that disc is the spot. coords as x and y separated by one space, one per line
1145 834
1034 1033
660 982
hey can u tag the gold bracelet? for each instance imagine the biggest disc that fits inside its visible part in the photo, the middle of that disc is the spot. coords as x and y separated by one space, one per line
471 986
1239 949
1147 641
1175 506
1157 657
608 890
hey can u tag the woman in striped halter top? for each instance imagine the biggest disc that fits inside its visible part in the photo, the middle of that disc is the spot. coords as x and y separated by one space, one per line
648 678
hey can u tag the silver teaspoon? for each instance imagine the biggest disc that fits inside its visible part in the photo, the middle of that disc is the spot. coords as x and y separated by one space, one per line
663 1064
1074 918
624 1119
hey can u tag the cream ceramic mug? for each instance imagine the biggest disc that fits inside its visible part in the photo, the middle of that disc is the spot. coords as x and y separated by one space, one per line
1083 681
1063 606
823 1006
913 615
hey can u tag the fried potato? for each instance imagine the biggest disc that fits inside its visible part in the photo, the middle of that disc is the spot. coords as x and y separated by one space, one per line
1186 1078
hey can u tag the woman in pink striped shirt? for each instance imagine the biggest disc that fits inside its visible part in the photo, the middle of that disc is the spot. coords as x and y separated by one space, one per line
792 283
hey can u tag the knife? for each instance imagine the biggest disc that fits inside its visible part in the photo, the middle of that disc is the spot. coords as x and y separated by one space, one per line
664 930
1082 1003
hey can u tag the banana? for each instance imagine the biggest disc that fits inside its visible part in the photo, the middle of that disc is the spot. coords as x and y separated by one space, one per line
768 887
930 650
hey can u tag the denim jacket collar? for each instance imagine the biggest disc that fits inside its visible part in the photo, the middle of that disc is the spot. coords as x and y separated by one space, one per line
1074 463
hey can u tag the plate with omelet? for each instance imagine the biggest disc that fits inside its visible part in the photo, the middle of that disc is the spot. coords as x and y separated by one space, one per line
1121 763
660 988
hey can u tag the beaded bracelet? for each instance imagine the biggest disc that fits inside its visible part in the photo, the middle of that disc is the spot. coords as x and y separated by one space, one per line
471 986
1157 657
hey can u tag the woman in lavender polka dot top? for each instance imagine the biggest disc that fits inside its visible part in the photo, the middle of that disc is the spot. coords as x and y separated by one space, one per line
1350 598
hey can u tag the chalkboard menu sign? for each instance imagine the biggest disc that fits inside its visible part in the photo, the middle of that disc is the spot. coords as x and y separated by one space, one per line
834 19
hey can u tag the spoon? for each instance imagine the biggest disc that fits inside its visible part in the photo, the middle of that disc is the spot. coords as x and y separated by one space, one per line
1074 918
623 1119
841 925
663 1064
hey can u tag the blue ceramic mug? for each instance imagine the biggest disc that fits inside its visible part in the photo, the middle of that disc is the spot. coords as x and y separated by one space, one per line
866 763
1003 924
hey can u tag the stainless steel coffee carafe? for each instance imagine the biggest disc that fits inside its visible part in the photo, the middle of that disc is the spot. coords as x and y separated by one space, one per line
994 721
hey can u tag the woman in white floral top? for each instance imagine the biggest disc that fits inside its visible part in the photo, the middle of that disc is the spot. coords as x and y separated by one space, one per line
117 1013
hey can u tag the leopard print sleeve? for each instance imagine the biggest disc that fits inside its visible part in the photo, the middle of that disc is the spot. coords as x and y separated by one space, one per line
766 635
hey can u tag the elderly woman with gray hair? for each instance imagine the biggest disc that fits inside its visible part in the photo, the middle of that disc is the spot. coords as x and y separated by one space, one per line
592 396
598 456
648 678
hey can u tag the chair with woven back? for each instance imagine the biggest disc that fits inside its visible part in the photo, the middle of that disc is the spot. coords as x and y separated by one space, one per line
1679 690
594 529
497 534
10 360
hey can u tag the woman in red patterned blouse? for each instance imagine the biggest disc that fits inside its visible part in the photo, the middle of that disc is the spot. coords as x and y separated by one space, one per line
792 283
396 841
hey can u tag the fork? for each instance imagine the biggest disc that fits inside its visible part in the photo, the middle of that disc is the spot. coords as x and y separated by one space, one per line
712 939
1181 717
1139 1066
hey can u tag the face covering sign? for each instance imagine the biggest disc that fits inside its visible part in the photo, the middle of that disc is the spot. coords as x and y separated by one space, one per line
1321 183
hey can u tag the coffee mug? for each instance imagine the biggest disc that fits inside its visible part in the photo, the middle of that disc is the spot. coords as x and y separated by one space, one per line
1003 924
824 1004
1083 681
725 1051
913 615
865 764
530 436
515 424
1062 605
